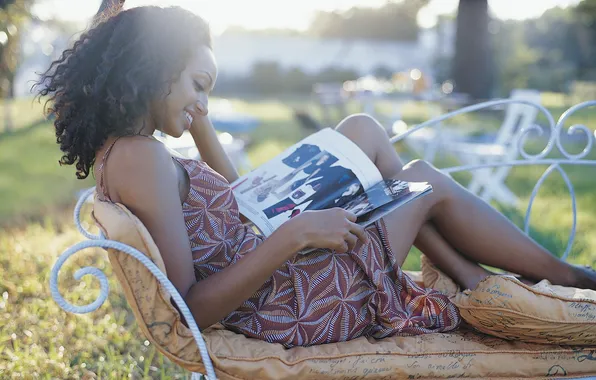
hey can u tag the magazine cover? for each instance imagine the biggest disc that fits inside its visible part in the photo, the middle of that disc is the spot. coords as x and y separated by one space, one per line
324 170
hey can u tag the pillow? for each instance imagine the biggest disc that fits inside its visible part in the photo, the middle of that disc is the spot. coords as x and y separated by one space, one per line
433 278
544 313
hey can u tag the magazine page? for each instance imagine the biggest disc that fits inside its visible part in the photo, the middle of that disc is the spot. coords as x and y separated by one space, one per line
383 198
318 172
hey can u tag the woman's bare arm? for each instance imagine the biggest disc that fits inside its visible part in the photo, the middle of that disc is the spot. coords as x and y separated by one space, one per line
210 148
213 298
146 182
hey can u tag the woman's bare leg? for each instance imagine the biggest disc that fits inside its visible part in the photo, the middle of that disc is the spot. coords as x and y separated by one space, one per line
457 229
463 271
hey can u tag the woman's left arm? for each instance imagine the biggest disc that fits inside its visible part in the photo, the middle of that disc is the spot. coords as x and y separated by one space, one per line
210 148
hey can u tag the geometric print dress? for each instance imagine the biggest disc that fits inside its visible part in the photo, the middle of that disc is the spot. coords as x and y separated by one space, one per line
321 297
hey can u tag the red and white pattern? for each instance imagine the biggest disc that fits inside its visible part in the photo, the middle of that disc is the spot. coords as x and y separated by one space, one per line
322 297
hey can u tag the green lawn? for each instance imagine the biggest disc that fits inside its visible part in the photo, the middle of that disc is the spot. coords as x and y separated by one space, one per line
39 340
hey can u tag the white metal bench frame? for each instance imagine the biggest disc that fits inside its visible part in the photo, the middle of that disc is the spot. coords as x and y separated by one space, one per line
556 130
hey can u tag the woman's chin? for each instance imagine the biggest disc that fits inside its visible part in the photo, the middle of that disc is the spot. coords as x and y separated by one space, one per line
177 132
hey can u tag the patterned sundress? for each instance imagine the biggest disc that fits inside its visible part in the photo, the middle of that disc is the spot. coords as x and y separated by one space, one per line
316 298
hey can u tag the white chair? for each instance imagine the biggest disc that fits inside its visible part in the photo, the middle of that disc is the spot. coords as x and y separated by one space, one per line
487 183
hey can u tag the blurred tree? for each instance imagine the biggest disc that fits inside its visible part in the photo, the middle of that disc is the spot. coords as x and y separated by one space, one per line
383 72
297 80
585 17
267 77
336 75
13 14
472 60
541 53
396 20
514 58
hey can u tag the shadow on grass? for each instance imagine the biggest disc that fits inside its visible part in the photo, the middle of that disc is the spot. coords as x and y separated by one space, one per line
24 130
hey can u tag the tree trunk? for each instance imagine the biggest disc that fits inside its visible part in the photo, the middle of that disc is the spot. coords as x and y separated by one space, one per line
7 100
472 62
8 122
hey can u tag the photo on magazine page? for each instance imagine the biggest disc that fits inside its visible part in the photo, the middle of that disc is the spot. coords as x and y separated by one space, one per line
259 186
384 197
325 169
326 186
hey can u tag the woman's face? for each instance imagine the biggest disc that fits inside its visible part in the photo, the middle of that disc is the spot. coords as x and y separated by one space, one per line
188 98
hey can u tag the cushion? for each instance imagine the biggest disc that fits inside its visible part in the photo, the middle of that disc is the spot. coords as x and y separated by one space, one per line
505 307
158 319
465 353
434 278
544 313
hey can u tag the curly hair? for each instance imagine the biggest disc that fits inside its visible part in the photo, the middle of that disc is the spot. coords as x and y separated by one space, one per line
106 81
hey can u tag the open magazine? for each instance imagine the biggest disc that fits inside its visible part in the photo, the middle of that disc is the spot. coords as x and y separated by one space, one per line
322 171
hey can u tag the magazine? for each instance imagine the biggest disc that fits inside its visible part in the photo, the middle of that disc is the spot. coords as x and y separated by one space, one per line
322 171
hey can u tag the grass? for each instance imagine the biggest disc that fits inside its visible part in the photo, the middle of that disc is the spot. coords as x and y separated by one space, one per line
39 340
32 184
24 112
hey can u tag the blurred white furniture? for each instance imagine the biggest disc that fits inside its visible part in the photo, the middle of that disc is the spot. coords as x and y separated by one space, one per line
233 147
487 183
226 120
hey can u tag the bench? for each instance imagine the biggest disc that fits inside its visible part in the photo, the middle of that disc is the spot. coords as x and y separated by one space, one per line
223 354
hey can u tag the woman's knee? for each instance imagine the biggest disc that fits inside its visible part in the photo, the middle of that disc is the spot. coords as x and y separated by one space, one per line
365 132
360 125
420 170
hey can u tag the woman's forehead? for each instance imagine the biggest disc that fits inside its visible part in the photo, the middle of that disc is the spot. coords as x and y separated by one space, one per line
203 61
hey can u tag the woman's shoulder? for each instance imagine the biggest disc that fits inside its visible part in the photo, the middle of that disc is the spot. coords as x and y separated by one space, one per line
134 162
133 152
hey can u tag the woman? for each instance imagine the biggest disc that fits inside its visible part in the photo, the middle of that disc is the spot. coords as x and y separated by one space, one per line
150 68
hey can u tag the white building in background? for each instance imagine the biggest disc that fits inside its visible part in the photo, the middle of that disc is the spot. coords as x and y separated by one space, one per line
236 54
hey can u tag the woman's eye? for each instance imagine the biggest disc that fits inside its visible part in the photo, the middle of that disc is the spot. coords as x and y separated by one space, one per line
198 86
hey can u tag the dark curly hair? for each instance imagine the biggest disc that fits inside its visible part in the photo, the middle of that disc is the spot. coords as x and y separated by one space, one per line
106 81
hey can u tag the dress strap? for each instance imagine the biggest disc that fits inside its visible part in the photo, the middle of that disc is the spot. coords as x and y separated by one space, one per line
102 184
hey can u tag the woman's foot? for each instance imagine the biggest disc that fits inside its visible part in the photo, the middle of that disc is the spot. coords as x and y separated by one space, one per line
474 279
584 277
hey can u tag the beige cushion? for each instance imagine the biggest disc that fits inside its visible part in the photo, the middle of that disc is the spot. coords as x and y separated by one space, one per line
433 278
461 354
543 313
157 318
505 307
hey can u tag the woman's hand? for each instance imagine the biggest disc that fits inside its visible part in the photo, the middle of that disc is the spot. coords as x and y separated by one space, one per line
199 114
208 144
332 228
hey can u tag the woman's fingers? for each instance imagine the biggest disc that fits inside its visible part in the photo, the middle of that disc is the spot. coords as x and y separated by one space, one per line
201 108
359 231
350 216
351 240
